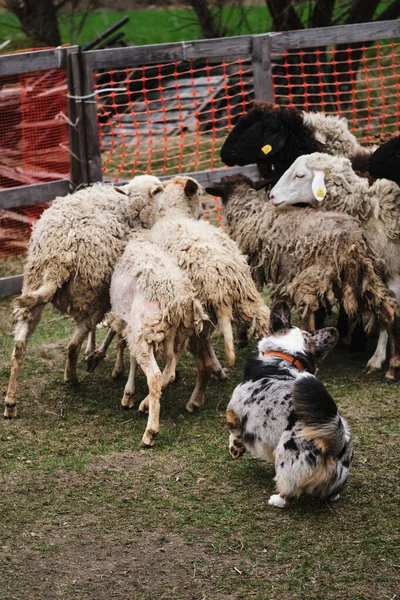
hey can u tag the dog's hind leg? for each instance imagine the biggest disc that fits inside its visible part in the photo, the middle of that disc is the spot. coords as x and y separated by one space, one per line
236 446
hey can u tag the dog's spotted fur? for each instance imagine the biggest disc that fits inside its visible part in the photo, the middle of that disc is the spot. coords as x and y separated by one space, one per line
286 416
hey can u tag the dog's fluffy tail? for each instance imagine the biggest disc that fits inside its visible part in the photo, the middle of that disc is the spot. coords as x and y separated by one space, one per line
318 414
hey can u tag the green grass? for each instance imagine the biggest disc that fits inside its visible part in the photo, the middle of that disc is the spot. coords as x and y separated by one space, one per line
86 513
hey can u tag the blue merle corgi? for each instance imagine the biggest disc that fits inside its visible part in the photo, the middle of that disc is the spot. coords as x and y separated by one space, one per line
281 412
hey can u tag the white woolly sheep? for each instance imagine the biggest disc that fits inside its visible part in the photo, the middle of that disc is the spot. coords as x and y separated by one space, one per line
329 183
153 307
73 249
218 271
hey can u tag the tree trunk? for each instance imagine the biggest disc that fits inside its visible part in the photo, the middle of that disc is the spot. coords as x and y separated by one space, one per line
205 18
38 20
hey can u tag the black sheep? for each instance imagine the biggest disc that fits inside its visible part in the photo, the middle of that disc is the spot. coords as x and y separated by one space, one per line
270 136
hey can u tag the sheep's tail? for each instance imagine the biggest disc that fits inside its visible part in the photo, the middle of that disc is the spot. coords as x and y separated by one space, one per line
225 323
199 316
40 296
318 415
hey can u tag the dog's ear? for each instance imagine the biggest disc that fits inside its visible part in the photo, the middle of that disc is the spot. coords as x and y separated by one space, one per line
280 316
323 340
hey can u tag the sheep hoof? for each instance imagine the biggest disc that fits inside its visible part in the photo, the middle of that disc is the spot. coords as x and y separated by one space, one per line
68 379
94 359
117 374
192 407
371 368
144 406
148 438
10 411
221 375
128 400
391 377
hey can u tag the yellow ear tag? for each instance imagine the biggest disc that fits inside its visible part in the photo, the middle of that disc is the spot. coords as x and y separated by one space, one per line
320 193
266 149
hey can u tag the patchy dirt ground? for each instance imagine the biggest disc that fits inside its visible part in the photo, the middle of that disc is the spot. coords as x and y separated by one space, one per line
88 515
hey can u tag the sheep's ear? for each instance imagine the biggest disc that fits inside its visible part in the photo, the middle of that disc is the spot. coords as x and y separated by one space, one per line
280 316
318 185
121 191
156 193
273 143
323 341
216 190
191 187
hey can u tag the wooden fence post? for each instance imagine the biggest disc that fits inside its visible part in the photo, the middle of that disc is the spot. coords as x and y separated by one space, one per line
94 166
262 68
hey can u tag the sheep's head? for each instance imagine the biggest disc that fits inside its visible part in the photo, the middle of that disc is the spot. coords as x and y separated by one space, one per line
305 181
183 193
144 200
233 184
385 161
271 136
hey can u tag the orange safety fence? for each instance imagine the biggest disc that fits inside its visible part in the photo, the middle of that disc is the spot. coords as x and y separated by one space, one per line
170 118
33 145
358 83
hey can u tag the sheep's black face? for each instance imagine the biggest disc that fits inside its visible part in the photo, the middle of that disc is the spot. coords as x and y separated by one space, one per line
272 137
256 138
385 161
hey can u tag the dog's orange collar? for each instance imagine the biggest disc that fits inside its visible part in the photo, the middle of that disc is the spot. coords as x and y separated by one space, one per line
293 361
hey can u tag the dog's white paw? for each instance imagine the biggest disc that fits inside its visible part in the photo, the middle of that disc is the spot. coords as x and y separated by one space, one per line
334 498
277 500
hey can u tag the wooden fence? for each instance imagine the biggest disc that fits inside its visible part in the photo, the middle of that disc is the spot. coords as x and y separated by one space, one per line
84 140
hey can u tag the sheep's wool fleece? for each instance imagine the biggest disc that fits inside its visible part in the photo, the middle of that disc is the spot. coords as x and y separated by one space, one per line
150 293
217 269
307 257
348 193
77 241
333 132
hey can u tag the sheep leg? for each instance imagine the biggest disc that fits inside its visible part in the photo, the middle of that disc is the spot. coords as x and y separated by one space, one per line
376 361
170 358
218 371
204 371
394 347
225 323
170 361
153 374
91 342
128 400
308 323
119 361
97 356
74 347
23 331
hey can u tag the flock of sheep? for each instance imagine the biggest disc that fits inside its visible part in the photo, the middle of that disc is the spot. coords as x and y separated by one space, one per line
141 256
